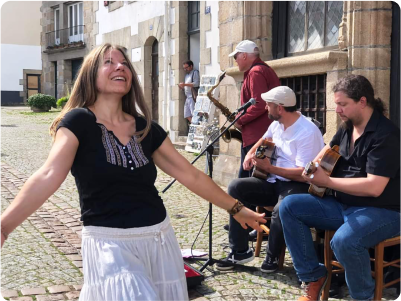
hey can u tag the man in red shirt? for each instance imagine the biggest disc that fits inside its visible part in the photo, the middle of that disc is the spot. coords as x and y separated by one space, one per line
258 78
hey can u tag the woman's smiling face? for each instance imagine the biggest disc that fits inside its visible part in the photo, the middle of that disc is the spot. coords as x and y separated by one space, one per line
114 75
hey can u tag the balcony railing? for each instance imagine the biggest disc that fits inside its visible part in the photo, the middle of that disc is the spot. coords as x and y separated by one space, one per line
65 38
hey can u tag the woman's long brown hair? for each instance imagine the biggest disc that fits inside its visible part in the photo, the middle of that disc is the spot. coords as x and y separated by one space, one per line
84 92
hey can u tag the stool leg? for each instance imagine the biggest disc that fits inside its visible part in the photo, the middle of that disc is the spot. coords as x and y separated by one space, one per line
328 255
379 252
281 259
259 239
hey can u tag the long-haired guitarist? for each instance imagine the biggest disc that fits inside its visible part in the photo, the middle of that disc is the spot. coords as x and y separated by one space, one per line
365 206
297 141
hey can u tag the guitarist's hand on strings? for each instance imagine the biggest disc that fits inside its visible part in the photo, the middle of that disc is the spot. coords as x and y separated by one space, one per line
262 163
320 178
248 164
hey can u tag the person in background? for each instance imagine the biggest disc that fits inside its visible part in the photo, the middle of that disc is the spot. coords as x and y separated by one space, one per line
190 87
129 248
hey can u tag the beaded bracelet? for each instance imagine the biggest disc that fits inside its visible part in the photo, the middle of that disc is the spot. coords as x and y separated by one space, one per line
4 233
236 208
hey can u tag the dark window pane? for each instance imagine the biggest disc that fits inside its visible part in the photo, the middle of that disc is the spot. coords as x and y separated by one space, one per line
310 94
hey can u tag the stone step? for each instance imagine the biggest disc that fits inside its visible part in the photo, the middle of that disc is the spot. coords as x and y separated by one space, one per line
179 145
182 138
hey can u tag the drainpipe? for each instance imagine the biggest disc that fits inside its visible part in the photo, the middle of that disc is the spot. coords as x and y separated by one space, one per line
166 100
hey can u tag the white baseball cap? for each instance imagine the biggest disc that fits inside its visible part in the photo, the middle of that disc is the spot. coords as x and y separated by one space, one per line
245 46
281 95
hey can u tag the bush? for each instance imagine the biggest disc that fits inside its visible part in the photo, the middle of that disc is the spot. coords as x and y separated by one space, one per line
62 101
42 101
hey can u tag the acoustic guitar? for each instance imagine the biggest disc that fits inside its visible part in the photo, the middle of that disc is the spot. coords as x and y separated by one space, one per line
328 162
265 150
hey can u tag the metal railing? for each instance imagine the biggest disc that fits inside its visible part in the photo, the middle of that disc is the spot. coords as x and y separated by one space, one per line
65 37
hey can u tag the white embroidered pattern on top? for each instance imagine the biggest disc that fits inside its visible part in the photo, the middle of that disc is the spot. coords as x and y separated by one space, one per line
115 152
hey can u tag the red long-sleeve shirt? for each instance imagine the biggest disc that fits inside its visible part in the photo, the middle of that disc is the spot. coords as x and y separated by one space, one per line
259 79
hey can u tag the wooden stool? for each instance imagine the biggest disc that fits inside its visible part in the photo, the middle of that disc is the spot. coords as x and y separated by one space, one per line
266 231
378 260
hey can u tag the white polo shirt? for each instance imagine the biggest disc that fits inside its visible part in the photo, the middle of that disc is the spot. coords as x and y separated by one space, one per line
296 146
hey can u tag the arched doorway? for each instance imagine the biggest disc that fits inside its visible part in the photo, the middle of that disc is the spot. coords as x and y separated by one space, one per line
155 81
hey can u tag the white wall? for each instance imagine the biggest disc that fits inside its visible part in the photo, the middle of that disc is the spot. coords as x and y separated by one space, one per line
15 58
213 38
128 15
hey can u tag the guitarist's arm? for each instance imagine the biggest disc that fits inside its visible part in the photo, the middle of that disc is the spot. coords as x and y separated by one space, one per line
372 185
293 173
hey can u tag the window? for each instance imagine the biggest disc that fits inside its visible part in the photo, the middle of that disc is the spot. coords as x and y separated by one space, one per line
311 95
75 22
193 16
300 26
57 26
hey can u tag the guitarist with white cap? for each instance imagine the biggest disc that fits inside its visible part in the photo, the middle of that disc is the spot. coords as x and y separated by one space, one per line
297 141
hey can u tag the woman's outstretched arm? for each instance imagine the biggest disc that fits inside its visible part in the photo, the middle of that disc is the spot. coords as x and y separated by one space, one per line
43 183
175 165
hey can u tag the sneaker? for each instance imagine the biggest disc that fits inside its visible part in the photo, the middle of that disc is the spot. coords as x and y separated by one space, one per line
313 290
235 257
270 265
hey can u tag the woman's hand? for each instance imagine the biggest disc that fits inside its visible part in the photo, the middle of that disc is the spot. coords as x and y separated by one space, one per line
248 217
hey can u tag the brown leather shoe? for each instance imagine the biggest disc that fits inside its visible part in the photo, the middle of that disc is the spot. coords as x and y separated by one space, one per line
313 290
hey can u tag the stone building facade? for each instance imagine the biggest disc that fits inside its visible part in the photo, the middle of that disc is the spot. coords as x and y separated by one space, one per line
68 34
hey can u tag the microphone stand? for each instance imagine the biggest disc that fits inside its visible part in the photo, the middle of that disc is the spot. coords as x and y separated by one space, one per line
210 149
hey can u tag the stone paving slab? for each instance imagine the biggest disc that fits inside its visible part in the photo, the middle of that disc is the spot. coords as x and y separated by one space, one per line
43 253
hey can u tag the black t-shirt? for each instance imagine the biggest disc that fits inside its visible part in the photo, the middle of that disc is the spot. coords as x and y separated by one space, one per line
115 182
377 152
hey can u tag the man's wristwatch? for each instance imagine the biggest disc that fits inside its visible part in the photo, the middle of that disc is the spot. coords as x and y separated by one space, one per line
236 208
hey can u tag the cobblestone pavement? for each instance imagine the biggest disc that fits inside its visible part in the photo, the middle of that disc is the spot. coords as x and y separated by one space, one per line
41 259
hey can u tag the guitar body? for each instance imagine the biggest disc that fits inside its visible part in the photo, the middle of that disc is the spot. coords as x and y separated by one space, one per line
328 162
266 149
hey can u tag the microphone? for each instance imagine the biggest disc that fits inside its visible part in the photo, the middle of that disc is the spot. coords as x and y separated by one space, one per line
251 102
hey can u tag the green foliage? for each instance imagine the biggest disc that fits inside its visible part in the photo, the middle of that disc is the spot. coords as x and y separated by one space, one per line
62 101
42 101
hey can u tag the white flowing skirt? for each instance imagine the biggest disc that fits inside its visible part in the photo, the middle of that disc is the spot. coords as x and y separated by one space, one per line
132 264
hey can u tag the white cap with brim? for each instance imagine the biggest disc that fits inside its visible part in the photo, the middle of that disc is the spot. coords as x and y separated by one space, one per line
281 95
245 46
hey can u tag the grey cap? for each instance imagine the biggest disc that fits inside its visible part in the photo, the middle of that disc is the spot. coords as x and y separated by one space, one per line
281 95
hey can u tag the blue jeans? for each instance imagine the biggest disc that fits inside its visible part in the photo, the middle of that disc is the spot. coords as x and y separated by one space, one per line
358 229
